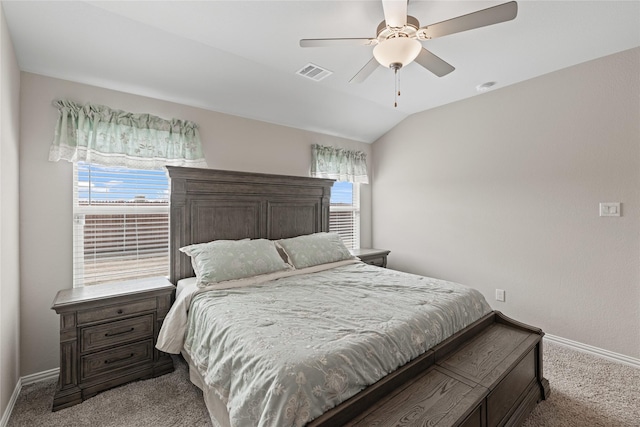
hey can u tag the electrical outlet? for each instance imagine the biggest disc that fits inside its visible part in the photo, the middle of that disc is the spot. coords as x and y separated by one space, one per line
500 295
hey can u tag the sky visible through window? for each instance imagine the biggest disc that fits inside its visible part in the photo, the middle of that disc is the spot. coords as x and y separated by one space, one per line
342 193
101 183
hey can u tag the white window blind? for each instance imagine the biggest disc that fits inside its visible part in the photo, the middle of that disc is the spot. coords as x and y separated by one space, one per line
121 224
344 215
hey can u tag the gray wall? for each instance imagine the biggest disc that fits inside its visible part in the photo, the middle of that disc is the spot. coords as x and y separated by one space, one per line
502 191
9 243
229 142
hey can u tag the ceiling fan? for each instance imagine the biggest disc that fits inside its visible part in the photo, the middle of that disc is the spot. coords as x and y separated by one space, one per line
398 37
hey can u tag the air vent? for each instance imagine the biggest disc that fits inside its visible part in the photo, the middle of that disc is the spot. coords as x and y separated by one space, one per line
313 72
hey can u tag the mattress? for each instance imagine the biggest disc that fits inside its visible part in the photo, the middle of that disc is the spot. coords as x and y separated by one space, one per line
283 351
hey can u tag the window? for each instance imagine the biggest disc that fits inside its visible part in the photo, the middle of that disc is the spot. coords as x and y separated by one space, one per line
121 224
344 216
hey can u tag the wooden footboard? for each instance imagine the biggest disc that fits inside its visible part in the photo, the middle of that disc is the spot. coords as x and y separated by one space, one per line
489 374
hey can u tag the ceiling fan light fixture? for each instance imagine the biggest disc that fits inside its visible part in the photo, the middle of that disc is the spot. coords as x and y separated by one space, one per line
397 50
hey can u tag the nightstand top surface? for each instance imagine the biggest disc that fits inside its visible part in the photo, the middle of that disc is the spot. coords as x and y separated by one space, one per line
67 297
368 251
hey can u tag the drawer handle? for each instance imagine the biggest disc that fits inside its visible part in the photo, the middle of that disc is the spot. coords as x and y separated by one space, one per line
120 311
118 359
113 334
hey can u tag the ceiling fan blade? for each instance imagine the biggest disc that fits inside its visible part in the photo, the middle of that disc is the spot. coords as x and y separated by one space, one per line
395 12
365 71
433 63
482 18
336 42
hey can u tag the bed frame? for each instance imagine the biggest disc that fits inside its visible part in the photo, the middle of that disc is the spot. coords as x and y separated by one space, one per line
489 374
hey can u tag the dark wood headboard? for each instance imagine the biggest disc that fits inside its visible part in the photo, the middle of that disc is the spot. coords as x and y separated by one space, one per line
208 204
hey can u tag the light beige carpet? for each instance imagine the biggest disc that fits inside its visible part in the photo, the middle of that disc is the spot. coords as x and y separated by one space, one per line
167 401
586 391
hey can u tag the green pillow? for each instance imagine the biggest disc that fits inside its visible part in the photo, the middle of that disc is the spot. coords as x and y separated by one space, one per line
223 260
315 249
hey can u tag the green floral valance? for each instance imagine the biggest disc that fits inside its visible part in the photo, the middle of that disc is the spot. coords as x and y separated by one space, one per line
98 134
339 164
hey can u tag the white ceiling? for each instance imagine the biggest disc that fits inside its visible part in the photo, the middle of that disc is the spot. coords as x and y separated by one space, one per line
241 57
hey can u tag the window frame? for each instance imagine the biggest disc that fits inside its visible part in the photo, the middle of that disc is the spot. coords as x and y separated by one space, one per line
354 208
81 211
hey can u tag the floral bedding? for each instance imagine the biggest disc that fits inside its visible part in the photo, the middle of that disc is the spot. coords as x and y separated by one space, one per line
283 352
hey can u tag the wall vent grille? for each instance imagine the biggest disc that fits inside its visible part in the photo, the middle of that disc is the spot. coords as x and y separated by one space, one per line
314 72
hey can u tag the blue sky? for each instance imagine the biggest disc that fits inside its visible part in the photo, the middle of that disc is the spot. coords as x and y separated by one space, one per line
342 192
113 183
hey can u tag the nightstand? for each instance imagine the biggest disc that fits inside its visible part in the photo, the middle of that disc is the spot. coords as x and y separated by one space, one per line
108 335
372 256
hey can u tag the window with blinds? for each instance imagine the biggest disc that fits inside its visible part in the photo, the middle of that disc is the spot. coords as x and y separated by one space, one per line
344 215
121 224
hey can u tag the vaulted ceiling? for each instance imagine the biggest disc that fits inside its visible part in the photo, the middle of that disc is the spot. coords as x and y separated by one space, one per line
241 57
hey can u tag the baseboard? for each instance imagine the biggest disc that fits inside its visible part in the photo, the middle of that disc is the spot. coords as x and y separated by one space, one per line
585 348
40 376
23 381
9 409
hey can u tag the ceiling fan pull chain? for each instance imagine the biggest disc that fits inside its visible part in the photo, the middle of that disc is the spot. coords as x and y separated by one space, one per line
397 89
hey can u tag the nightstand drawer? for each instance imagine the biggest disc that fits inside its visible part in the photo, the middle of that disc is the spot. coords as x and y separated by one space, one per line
104 362
118 332
118 310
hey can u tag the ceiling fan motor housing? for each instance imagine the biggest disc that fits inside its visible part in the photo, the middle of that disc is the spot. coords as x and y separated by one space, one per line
409 30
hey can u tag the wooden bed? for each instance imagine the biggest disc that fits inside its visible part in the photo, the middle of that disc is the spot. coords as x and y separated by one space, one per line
489 374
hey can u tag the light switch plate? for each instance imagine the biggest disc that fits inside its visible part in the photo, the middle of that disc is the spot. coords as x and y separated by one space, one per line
610 209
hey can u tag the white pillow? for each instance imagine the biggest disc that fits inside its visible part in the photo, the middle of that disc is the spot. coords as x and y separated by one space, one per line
314 249
223 260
